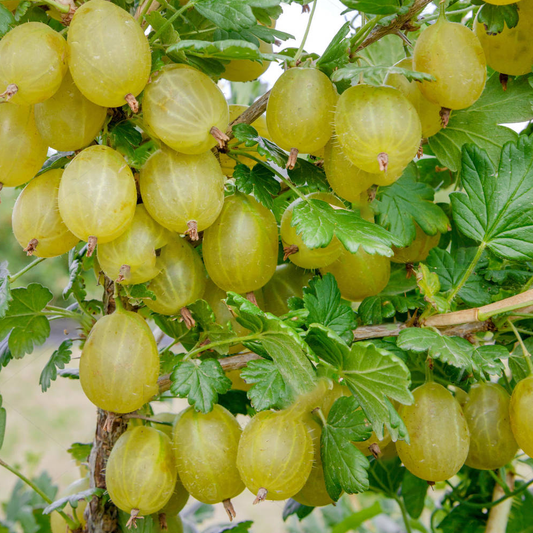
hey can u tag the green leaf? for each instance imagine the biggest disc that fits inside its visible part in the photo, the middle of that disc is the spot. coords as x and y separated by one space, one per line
317 223
235 401
375 309
269 390
3 416
414 492
230 14
258 180
496 18
157 21
337 54
76 283
487 360
385 52
228 49
464 519
125 138
479 124
241 527
280 341
477 290
454 351
7 20
322 299
25 320
521 516
408 203
80 451
58 359
373 376
386 476
345 467
353 71
200 382
495 209
374 7
292 507
73 500
5 291
429 284
143 153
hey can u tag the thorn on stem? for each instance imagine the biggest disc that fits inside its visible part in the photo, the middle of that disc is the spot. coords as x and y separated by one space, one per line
228 506
220 137
261 496
375 450
289 250
11 90
504 78
187 317
163 521
132 102
91 245
32 245
123 273
293 158
134 516
192 232
444 116
383 160
250 296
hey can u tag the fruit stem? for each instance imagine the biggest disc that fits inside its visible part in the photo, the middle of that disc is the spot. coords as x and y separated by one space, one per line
71 524
405 516
27 268
320 415
363 31
429 370
442 8
169 21
467 273
301 49
525 352
235 340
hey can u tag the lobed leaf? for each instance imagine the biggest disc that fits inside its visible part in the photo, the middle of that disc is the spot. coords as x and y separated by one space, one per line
58 360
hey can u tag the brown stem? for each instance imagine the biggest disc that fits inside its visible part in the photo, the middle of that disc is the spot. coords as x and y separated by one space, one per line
11 90
187 318
192 232
92 241
293 158
289 250
132 102
228 506
398 23
32 245
220 137
235 362
499 514
444 116
251 114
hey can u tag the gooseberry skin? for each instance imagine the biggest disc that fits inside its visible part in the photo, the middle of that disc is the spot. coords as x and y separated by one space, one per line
206 452
287 281
360 275
307 257
452 54
119 365
97 194
300 110
227 164
57 522
67 121
438 432
418 250
135 248
179 188
428 112
275 453
34 58
370 121
521 415
511 51
36 216
107 70
181 280
344 177
181 105
141 473
314 492
22 149
492 444
245 69
503 2
241 248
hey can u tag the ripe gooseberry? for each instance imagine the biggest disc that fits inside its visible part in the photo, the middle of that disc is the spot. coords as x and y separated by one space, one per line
37 224
521 414
438 432
245 69
418 250
57 522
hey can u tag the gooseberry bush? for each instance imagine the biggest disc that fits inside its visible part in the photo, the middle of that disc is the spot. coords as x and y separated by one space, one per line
337 277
